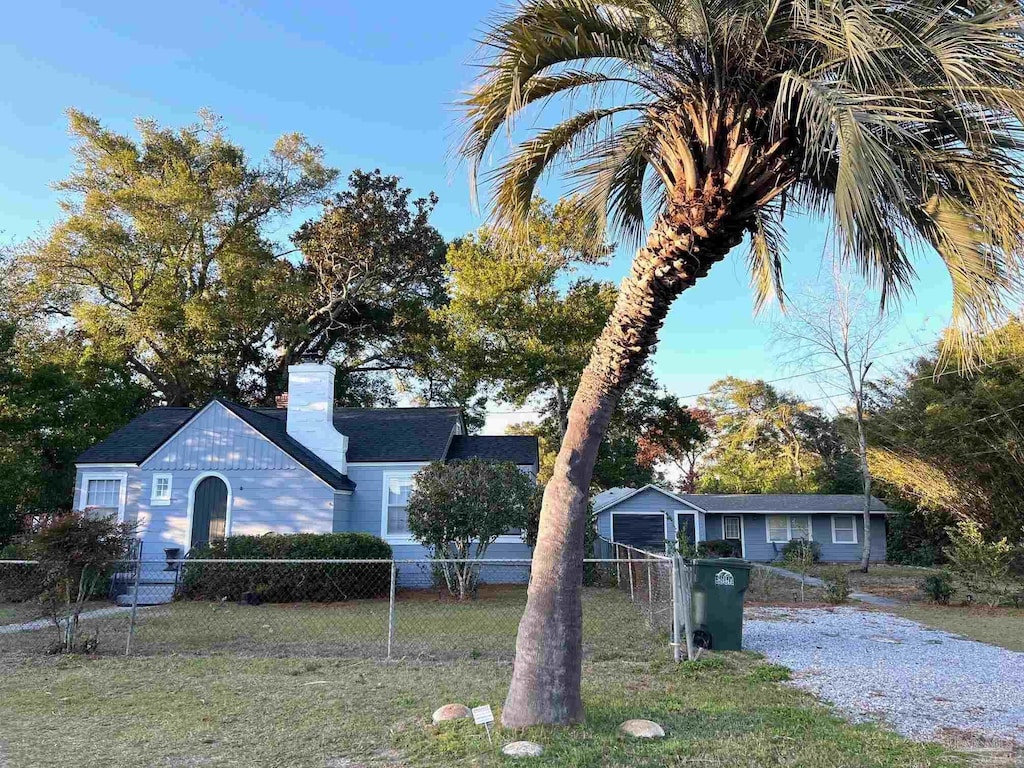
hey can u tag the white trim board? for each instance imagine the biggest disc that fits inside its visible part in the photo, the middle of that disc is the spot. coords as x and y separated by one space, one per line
853 519
122 501
652 487
298 464
192 500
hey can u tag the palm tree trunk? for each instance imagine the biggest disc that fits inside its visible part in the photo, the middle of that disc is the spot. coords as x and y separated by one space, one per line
545 685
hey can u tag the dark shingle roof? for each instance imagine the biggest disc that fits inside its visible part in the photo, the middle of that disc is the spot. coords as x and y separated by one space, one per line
783 502
375 434
133 442
275 431
390 434
519 449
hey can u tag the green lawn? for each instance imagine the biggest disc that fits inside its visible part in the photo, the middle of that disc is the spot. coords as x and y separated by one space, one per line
728 710
998 626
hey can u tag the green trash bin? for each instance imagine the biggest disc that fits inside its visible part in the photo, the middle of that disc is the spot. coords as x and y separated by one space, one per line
719 585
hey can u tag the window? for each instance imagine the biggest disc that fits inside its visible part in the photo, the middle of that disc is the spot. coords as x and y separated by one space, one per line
397 489
785 528
778 528
844 529
102 494
730 527
161 495
800 527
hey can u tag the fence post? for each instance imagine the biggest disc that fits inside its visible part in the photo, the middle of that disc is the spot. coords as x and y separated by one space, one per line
675 610
135 604
685 592
650 596
618 567
629 564
391 610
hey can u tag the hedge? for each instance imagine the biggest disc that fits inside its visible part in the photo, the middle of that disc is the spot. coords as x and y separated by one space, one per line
286 582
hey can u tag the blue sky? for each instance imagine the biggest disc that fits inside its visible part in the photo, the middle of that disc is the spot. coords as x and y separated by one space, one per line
374 84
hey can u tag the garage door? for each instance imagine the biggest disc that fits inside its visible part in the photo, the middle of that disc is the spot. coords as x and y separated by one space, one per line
641 531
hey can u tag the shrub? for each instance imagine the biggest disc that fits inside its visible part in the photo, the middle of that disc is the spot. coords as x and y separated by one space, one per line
938 588
837 585
719 548
800 550
458 509
982 566
799 555
285 582
77 554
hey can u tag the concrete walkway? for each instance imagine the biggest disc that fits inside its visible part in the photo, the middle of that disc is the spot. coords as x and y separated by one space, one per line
814 581
28 626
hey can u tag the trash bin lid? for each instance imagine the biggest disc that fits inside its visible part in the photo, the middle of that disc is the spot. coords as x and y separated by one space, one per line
723 562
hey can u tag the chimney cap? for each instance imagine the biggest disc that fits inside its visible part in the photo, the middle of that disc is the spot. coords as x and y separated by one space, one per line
309 358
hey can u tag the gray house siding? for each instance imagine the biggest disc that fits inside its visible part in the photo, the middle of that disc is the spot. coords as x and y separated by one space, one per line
287 499
757 546
712 527
753 527
362 512
217 439
648 501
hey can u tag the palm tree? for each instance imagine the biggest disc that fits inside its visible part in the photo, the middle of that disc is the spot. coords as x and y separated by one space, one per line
896 121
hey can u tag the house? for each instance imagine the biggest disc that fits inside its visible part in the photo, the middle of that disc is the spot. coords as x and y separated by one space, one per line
761 523
191 475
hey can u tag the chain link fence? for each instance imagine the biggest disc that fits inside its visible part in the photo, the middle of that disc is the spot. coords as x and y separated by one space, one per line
387 609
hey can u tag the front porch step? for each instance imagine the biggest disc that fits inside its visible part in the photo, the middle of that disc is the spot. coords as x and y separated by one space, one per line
150 593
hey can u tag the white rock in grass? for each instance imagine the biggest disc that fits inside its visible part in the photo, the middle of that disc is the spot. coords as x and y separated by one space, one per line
642 729
451 712
523 749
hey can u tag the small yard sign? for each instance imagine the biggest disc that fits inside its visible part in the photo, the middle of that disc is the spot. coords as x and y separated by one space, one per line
483 716
724 579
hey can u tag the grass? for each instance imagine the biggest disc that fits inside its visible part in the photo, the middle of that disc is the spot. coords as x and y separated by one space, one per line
998 626
726 710
426 626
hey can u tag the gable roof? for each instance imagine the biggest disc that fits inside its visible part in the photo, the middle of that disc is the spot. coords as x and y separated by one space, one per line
749 502
136 440
380 435
389 434
519 449
274 430
615 496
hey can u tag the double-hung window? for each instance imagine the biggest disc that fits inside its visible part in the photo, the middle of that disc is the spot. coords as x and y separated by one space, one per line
103 495
397 490
731 527
844 529
785 528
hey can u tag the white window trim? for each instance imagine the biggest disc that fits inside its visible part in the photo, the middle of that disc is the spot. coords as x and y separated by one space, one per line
386 478
156 501
739 526
789 526
853 519
83 491
192 501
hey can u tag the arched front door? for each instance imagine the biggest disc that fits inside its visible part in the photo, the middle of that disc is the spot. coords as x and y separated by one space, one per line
209 511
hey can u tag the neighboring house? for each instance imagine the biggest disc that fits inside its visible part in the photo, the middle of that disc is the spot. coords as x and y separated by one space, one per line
190 475
761 523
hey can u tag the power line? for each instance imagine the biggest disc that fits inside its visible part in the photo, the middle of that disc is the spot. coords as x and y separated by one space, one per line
821 370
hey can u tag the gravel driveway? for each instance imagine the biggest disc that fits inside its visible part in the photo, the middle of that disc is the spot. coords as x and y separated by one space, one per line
876 666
